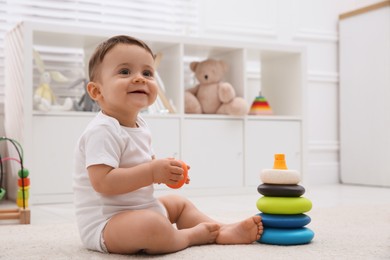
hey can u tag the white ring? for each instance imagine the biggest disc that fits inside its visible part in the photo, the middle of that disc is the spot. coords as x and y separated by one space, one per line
277 176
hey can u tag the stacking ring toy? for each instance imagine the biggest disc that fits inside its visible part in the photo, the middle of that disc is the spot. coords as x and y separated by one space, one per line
279 190
283 205
284 221
281 236
182 181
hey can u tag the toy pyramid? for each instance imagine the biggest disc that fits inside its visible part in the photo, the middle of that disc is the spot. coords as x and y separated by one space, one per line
283 206
260 106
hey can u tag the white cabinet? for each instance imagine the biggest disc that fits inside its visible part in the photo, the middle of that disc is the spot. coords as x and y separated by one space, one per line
365 95
214 150
223 151
53 143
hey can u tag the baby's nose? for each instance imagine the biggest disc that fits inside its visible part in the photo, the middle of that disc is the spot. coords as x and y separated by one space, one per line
139 78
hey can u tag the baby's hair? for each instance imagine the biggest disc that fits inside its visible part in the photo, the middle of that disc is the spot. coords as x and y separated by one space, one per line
103 48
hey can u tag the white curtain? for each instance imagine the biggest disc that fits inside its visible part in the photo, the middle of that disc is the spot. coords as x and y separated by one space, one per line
178 17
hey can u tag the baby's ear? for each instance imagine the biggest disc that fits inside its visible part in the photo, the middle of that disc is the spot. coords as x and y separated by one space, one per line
93 90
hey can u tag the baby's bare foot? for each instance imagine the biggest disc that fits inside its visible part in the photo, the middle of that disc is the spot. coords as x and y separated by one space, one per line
203 233
244 232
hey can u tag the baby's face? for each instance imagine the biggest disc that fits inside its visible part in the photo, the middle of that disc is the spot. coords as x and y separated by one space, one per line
127 80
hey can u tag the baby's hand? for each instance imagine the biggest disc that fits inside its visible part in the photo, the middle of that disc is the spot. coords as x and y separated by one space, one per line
188 176
168 171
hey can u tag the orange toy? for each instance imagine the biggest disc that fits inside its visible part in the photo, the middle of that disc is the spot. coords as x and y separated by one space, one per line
280 162
181 182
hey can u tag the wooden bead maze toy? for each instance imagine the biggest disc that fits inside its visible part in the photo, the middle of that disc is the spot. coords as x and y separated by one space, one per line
22 212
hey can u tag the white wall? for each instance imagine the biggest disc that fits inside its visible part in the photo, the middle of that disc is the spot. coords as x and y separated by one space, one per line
313 24
303 22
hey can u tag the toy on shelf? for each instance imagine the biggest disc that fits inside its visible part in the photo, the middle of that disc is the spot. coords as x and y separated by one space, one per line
283 207
22 213
44 98
260 106
213 95
180 183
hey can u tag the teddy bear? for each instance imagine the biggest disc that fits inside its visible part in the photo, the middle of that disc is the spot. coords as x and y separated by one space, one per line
212 95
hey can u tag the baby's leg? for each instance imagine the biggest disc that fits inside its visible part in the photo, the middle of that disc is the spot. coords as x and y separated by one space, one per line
131 231
182 212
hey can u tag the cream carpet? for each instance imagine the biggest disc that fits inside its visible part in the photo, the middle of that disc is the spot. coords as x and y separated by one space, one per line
340 233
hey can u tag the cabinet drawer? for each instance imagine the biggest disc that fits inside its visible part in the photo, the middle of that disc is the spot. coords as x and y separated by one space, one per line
214 150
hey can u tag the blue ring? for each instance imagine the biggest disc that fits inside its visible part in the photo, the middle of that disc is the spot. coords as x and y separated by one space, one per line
280 236
284 221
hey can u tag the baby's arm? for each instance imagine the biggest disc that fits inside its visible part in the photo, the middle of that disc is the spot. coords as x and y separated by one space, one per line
115 181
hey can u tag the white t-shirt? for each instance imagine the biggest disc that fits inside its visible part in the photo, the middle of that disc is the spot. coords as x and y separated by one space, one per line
105 141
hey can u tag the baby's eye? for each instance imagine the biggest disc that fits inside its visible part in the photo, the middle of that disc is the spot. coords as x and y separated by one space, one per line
148 73
124 71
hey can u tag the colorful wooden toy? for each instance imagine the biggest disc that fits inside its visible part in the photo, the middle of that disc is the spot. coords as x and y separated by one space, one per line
22 213
260 106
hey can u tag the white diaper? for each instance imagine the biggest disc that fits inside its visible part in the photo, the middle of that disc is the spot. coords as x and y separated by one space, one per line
102 244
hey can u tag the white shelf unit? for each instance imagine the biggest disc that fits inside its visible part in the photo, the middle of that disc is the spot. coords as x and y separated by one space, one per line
364 95
224 152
